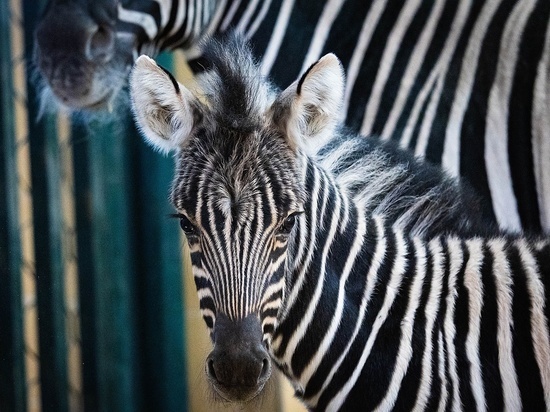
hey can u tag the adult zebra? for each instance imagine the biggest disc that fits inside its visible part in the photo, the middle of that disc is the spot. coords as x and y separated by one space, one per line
355 300
465 84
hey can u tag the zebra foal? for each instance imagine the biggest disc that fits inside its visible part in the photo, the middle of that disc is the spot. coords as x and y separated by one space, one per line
318 251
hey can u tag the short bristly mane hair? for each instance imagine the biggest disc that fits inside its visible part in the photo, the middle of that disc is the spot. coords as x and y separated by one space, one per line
237 94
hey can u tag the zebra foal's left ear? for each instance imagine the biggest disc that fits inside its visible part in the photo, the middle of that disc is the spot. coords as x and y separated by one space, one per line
163 108
309 110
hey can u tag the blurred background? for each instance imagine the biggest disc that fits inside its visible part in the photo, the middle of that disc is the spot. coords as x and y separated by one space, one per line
98 309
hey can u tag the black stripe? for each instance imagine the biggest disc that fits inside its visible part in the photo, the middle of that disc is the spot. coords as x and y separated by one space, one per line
301 26
543 260
527 370
260 40
472 147
163 35
520 148
488 343
462 322
344 32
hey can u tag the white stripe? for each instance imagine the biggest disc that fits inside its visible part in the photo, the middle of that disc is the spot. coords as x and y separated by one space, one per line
371 281
276 37
541 133
456 258
443 67
472 282
165 7
503 286
496 133
190 17
369 25
398 269
539 323
198 19
228 19
334 323
405 352
431 311
393 43
451 150
245 19
442 377
146 21
322 30
413 67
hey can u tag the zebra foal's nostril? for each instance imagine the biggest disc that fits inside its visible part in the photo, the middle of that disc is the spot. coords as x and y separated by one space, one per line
100 44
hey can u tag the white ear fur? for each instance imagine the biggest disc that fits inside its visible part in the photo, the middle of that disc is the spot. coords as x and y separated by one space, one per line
315 107
161 105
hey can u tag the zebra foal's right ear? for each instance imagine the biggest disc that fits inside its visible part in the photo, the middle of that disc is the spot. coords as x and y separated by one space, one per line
162 107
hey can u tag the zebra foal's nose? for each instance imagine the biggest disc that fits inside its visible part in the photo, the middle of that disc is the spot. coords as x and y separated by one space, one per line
239 366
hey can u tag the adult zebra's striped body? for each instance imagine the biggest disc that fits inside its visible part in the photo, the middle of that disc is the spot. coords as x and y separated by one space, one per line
309 248
464 84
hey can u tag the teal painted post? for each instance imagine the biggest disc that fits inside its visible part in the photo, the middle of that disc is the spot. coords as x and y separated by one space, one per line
47 225
12 355
113 225
160 250
87 289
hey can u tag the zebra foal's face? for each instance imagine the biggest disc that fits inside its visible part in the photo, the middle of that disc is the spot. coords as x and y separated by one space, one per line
238 191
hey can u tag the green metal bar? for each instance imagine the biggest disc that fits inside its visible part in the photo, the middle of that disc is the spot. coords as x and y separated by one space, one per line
47 223
12 356
86 266
112 208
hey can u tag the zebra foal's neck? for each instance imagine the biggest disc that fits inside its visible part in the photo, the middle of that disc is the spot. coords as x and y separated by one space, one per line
455 322
459 322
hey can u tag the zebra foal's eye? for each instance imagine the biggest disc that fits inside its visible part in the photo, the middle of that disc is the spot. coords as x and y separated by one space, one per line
288 223
187 226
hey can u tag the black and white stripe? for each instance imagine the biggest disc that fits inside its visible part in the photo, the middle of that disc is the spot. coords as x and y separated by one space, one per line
463 84
447 322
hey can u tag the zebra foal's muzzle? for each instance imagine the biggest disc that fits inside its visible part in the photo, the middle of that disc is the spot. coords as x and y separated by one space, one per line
239 366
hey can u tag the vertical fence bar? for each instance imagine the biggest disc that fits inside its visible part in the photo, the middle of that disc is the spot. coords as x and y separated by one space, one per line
114 262
12 361
47 221
86 268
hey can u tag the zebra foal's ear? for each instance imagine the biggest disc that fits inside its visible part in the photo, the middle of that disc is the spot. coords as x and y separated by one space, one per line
308 111
162 107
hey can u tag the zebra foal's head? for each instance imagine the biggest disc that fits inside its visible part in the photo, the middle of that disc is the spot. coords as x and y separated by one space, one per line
239 191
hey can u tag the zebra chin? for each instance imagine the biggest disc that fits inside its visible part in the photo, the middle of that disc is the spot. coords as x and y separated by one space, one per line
239 366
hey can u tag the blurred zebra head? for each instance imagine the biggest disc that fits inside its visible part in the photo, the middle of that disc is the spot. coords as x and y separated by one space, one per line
80 58
239 191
